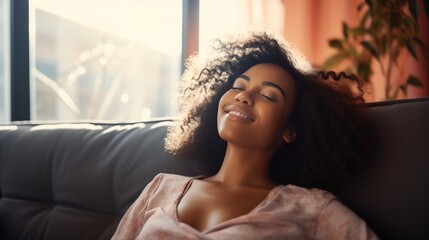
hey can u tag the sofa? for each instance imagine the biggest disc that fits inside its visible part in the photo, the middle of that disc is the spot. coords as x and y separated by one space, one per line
76 180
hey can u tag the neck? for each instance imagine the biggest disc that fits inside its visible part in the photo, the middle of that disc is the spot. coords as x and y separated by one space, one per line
244 166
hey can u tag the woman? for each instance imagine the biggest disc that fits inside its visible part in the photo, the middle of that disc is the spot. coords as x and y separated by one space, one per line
268 133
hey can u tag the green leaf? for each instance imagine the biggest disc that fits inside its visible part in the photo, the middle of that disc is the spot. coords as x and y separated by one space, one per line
364 70
351 51
334 60
420 42
364 19
336 43
403 88
359 31
346 30
414 81
423 47
412 48
414 10
368 45
410 25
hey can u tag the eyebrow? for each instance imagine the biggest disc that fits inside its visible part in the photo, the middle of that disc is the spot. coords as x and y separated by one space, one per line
270 84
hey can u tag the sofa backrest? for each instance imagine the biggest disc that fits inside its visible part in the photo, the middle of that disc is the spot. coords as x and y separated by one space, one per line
392 195
75 181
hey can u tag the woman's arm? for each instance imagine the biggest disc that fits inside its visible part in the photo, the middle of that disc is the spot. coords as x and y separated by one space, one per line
132 221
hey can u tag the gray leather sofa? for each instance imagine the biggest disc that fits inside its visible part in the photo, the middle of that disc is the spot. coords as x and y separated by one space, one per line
76 180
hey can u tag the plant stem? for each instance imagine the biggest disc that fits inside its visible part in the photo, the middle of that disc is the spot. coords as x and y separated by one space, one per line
389 59
389 70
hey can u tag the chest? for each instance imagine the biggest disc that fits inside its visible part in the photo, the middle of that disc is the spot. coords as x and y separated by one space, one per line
203 207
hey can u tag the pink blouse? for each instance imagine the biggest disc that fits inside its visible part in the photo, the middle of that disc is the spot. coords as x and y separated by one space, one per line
288 212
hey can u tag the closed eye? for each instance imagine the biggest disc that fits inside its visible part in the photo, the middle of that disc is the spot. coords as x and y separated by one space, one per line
268 98
237 88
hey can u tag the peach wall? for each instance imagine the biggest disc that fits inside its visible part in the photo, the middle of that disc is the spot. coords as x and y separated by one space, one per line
309 24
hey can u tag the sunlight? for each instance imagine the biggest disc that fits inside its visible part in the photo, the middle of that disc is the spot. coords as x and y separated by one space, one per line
76 126
8 128
224 16
124 127
147 22
233 18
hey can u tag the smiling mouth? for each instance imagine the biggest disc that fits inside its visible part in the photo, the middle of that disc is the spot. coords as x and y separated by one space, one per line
241 115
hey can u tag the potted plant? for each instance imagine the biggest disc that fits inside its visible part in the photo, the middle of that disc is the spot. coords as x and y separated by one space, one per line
385 28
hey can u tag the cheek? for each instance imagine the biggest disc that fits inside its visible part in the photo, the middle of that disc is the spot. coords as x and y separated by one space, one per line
220 107
276 120
276 114
220 112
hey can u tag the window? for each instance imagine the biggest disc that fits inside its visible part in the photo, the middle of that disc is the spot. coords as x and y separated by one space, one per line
4 61
104 59
237 15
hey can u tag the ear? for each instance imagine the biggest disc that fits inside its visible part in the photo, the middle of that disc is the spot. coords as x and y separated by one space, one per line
289 135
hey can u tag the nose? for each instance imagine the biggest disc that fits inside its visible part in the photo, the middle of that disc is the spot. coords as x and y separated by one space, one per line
244 97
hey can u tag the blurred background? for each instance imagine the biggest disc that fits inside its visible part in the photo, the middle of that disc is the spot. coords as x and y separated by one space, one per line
122 60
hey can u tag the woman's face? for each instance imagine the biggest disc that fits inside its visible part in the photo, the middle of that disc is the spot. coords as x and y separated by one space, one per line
255 111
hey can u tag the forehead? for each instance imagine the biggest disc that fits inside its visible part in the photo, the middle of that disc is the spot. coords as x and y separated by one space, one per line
269 72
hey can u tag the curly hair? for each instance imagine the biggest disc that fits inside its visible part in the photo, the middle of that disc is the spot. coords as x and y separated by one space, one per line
331 137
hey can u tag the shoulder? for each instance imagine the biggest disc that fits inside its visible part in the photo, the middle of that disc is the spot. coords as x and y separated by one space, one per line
164 181
170 178
302 191
162 184
334 219
162 189
310 197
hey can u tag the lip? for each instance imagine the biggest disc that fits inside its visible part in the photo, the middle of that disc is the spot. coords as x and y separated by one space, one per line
240 112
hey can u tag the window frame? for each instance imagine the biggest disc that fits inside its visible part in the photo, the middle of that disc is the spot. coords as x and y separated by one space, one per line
20 84
19 61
